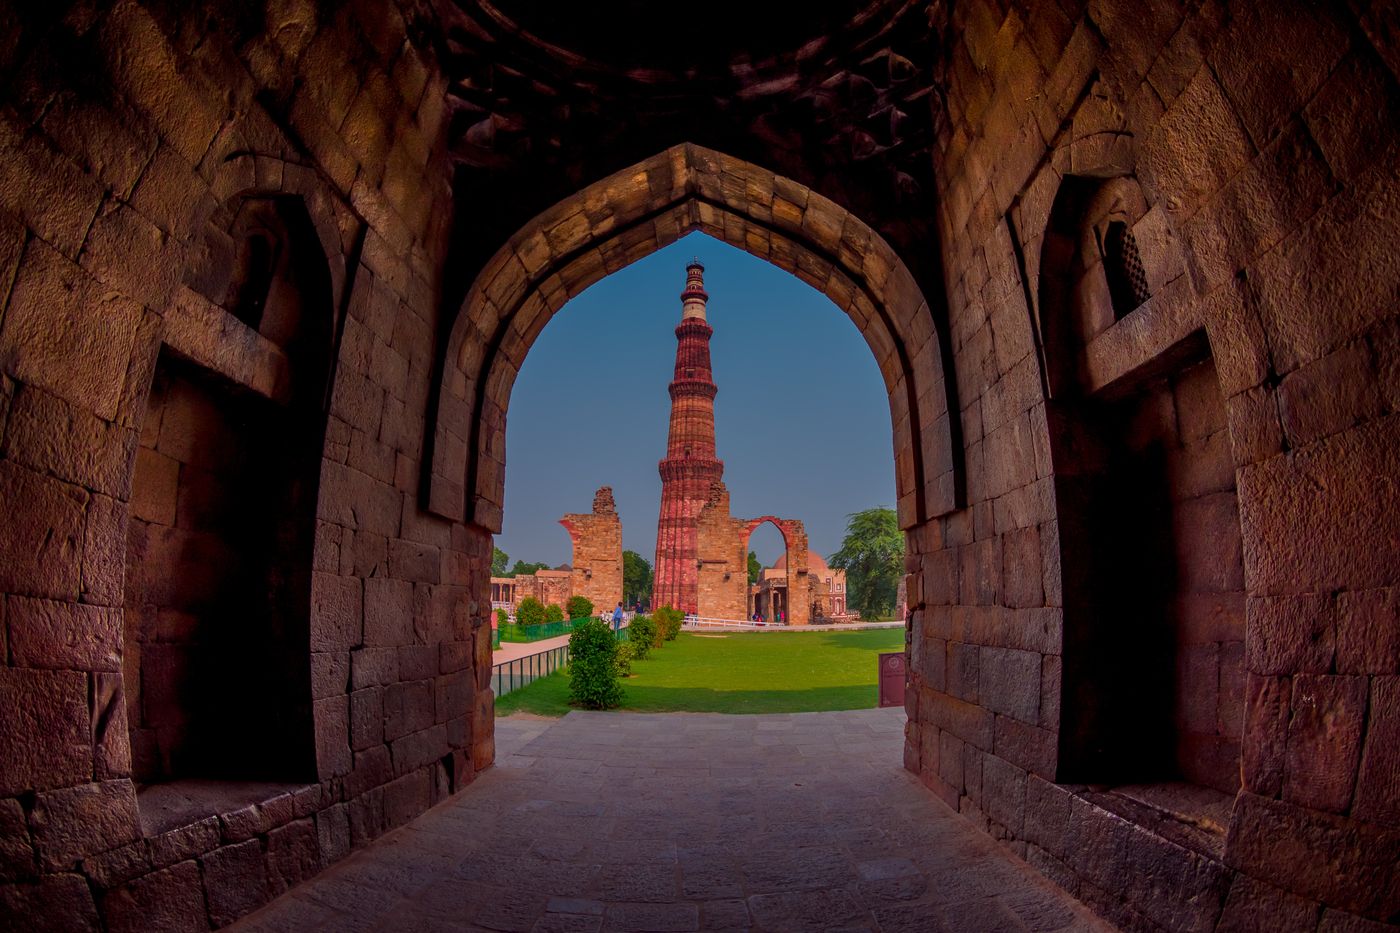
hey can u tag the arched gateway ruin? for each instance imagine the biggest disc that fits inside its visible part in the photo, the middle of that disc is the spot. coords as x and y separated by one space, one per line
268 273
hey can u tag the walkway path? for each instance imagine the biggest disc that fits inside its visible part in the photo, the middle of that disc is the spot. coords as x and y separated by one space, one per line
686 821
510 650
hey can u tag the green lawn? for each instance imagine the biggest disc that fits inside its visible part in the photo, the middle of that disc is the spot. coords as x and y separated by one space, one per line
738 673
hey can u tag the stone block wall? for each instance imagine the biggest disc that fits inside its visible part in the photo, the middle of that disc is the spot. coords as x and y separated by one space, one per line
1249 150
135 396
597 558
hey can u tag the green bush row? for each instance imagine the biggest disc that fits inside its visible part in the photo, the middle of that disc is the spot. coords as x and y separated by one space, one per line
597 659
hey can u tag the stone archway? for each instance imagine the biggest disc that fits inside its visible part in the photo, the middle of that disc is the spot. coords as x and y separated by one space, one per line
632 214
797 602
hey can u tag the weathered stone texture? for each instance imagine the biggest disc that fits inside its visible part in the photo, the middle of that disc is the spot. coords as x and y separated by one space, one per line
1152 243
1275 463
597 552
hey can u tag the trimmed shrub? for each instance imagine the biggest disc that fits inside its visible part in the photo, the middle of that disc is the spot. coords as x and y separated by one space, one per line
641 635
579 607
553 613
623 660
668 623
502 617
593 666
529 612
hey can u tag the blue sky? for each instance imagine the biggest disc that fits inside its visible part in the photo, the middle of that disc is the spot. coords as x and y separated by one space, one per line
802 420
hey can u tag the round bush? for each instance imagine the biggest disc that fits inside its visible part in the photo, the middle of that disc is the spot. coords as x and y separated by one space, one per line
623 661
668 623
641 635
553 613
502 617
529 612
593 666
579 607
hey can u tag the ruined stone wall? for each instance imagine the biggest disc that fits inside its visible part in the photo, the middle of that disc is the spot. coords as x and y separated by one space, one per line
597 559
723 562
724 567
1240 351
131 138
546 586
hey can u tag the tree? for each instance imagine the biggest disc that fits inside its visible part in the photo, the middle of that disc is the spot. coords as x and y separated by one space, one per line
636 578
499 559
579 607
755 568
872 554
522 569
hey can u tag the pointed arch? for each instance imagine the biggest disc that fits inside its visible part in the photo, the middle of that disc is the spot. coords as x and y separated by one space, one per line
635 212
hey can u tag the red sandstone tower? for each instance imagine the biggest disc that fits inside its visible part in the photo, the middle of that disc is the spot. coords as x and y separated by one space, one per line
690 465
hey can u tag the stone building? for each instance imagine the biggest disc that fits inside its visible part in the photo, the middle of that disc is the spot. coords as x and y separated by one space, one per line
268 273
594 572
827 589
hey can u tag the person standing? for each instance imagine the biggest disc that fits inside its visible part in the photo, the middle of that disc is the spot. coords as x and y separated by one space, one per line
617 618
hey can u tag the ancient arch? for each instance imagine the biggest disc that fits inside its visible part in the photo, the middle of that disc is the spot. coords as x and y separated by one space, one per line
798 609
631 214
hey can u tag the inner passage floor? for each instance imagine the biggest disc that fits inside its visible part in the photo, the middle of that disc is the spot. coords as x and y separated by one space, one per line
686 821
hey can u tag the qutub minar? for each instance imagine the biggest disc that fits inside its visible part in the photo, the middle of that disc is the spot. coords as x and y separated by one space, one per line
701 551
690 467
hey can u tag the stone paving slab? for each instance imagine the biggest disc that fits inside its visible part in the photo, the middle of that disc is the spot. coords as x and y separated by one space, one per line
686 821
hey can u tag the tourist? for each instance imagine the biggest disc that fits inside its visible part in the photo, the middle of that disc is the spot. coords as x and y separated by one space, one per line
617 618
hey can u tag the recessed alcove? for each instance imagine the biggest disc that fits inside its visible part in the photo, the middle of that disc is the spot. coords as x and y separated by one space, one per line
221 524
1151 555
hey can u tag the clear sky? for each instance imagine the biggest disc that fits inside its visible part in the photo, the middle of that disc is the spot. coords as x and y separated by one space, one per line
802 419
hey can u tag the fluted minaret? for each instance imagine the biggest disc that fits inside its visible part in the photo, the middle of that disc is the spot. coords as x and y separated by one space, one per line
690 465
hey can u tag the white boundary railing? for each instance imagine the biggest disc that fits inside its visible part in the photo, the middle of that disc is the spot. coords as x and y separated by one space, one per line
704 622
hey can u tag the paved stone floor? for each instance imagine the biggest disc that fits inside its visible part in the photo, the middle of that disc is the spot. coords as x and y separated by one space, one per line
681 821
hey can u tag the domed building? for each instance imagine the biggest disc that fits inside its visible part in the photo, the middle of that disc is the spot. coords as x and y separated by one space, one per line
769 595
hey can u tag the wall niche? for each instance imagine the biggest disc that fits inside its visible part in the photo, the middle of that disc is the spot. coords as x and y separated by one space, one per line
222 519
1152 703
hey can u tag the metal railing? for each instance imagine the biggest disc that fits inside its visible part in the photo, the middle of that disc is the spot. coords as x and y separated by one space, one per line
512 675
508 676
701 622
519 634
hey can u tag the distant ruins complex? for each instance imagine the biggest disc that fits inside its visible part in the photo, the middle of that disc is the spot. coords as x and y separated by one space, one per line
768 596
701 551
594 572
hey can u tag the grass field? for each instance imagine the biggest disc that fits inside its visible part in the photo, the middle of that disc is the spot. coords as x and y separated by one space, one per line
737 673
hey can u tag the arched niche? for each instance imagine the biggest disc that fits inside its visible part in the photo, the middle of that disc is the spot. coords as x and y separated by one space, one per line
632 214
1150 545
216 672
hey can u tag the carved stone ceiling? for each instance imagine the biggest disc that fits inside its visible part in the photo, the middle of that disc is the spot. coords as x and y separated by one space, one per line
548 97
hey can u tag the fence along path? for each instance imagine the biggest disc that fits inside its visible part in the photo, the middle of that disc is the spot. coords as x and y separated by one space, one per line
516 664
